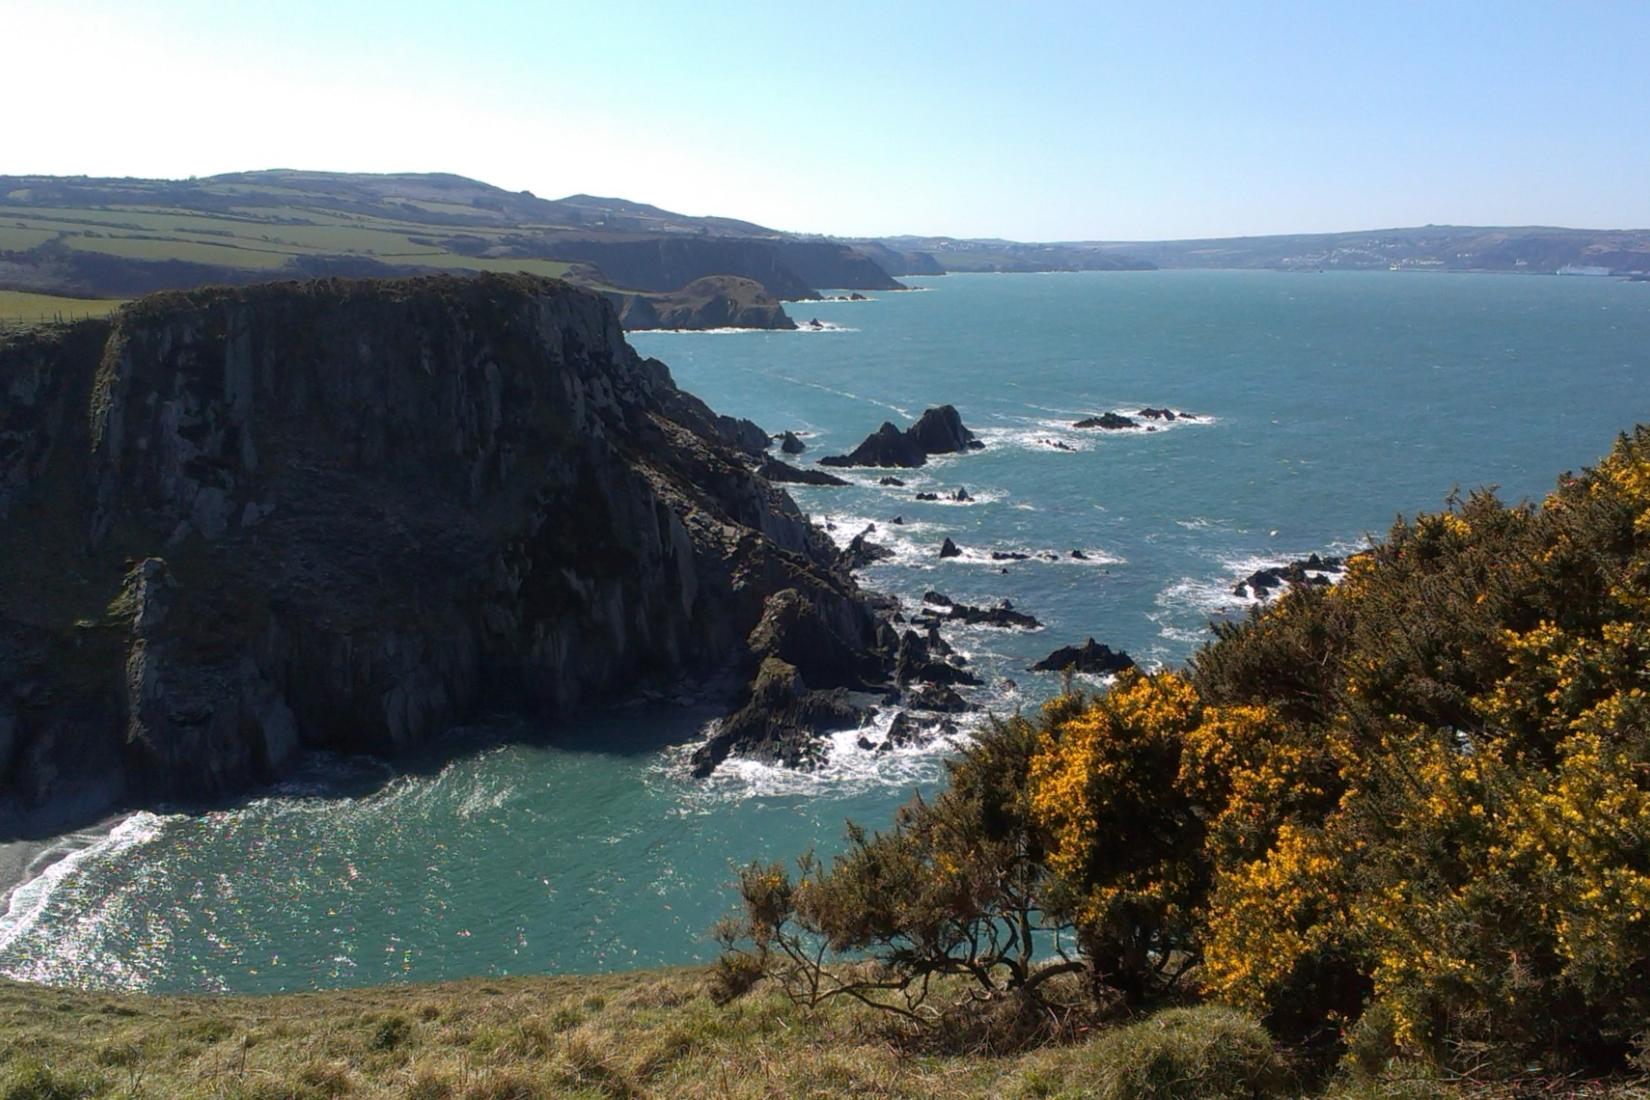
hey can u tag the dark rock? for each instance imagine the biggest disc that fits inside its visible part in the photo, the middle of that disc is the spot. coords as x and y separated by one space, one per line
961 496
816 323
928 496
887 446
1089 657
894 481
828 652
686 409
906 730
938 598
1057 445
1305 572
1110 421
780 473
898 521
858 297
938 646
1003 615
948 549
791 445
917 662
938 697
938 431
1157 414
1008 555
781 720
1079 555
862 552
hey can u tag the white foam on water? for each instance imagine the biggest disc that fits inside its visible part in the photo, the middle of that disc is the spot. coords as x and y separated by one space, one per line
1060 435
31 900
845 770
973 555
1216 597
840 393
707 331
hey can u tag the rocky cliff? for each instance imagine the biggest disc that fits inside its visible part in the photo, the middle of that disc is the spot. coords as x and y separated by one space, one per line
715 301
352 514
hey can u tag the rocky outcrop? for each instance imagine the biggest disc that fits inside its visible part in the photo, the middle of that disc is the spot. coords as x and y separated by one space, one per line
790 444
1090 657
715 301
862 551
783 472
938 431
350 515
1312 570
1109 421
781 721
1002 615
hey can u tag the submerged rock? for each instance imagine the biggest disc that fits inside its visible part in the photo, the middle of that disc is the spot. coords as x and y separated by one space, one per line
1089 657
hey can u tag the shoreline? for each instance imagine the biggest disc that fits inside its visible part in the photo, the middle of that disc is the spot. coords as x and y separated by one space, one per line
24 861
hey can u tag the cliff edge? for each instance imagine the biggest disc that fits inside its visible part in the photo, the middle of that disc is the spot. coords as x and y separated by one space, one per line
352 514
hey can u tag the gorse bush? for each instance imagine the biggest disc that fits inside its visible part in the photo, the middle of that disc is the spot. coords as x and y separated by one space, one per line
1412 809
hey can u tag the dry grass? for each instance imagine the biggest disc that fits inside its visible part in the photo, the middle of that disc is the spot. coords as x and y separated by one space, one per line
645 1034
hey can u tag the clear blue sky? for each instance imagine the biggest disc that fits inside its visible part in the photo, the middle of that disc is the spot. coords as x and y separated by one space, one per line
1035 121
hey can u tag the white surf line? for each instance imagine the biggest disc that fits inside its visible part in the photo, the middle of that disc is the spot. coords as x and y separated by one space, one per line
840 393
29 901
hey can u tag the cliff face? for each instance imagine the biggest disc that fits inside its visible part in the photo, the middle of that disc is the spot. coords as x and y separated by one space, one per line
827 264
350 515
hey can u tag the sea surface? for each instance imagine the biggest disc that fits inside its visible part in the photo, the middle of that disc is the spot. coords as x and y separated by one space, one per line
1326 404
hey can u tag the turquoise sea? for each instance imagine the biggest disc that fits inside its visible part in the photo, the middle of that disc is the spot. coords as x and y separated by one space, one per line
1326 405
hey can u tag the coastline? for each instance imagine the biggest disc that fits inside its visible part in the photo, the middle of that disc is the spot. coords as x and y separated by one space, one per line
23 861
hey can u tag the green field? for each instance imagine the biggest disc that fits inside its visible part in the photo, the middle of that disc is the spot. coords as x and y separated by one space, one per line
20 306
258 229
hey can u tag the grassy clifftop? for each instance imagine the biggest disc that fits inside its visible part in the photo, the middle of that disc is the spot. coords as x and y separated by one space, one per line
642 1034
